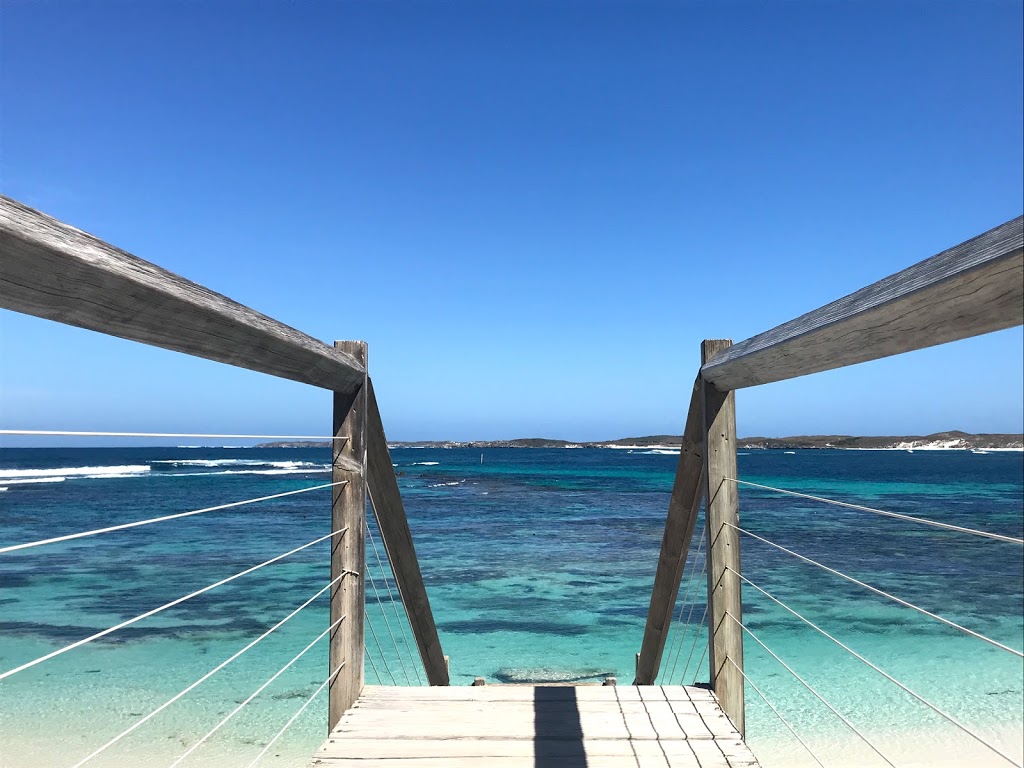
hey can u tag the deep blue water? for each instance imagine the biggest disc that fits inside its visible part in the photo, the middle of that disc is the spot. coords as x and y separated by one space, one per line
538 563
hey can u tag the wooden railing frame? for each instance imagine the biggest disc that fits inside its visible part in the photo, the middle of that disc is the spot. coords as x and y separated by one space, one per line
725 601
386 501
348 549
683 510
974 288
52 270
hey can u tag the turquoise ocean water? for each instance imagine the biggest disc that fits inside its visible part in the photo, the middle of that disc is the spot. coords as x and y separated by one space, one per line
539 565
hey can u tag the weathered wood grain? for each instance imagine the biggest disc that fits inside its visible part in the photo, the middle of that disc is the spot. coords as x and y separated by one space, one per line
973 288
683 508
348 552
535 726
723 545
52 270
386 500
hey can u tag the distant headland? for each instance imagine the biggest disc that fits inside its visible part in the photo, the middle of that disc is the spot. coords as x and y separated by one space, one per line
939 441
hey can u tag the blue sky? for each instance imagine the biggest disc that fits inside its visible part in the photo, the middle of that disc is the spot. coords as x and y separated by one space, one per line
532 211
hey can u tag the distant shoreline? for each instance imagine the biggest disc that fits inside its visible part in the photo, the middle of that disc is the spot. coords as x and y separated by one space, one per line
954 440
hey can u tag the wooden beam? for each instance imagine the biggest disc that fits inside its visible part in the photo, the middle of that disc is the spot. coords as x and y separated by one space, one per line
386 500
725 637
683 508
348 551
54 271
974 288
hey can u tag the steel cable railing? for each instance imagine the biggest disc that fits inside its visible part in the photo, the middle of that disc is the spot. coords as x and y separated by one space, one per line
687 599
295 717
211 673
162 518
401 619
60 433
256 693
778 714
882 593
877 669
896 515
916 696
165 606
380 604
811 688
696 639
380 652
700 626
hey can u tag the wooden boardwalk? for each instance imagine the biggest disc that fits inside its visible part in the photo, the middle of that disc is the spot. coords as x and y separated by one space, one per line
525 726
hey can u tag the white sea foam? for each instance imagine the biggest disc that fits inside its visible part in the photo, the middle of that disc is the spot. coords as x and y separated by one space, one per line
659 452
237 463
617 447
424 464
126 470
33 480
312 469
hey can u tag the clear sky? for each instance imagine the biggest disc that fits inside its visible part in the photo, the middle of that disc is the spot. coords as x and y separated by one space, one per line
532 211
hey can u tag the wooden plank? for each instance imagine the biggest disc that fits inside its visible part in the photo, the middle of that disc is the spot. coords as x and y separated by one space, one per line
348 555
439 748
973 288
386 500
576 760
500 693
539 726
683 508
723 546
52 270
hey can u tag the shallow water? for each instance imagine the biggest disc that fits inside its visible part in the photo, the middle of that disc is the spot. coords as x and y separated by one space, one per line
539 565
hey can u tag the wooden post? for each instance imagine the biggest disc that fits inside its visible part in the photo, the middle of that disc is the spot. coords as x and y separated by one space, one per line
725 638
683 509
394 531
348 552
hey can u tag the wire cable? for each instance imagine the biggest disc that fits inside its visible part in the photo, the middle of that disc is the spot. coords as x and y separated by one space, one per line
898 516
164 607
380 604
882 593
373 666
376 642
256 693
60 433
810 688
684 627
413 655
877 669
209 674
161 519
696 639
295 717
686 599
771 706
394 604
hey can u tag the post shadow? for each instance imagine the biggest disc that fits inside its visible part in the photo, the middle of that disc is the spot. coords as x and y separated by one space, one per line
557 731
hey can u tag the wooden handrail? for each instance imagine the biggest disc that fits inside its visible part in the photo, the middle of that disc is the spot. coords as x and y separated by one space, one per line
386 500
973 288
683 508
52 270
